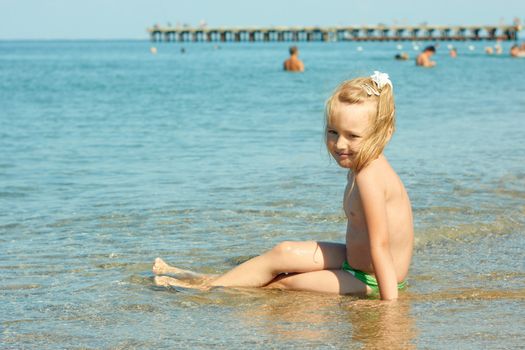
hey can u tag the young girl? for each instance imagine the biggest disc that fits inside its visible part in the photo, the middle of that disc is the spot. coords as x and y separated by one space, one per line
360 120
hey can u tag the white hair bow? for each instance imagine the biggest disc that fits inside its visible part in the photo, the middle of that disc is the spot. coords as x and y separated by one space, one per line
381 79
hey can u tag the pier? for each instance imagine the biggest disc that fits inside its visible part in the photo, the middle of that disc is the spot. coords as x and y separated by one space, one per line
342 33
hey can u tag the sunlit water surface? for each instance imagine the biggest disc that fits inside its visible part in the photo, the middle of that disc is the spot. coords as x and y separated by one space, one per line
111 156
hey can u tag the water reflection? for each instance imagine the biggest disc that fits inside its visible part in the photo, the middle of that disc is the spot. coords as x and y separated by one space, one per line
296 317
383 325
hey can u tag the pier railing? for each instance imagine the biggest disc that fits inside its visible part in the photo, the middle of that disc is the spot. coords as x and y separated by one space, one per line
346 33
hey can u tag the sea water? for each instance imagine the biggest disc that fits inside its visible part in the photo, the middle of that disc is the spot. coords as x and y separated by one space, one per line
112 156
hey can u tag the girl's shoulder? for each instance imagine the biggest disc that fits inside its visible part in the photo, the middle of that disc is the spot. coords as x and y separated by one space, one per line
378 173
372 174
377 167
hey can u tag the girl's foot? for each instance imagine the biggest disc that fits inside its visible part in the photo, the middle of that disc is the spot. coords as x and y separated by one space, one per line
165 281
160 267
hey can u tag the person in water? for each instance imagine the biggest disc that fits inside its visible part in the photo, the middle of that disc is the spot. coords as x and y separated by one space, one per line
517 51
293 64
424 58
403 56
359 122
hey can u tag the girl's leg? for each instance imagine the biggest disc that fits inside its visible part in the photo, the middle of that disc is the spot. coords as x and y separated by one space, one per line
298 257
334 281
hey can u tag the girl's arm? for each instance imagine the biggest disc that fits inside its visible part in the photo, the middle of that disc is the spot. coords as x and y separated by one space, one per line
373 199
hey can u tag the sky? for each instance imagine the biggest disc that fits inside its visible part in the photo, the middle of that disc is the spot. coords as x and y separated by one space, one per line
129 19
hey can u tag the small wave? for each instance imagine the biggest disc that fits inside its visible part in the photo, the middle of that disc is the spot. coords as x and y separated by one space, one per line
20 286
469 294
10 225
507 223
9 194
138 308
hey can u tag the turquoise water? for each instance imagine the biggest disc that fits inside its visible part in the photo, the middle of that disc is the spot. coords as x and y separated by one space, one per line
112 156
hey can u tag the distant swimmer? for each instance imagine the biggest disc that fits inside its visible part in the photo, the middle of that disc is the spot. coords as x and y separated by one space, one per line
453 52
153 50
293 64
516 51
403 56
423 59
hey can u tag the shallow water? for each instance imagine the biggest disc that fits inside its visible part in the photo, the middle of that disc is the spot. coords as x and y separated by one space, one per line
112 156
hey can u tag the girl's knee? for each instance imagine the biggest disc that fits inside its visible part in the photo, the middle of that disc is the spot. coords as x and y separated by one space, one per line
282 248
287 248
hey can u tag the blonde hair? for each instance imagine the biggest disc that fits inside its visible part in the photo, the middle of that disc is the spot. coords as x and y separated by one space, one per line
382 123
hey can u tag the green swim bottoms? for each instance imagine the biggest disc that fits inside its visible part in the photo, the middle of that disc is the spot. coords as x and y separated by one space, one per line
367 279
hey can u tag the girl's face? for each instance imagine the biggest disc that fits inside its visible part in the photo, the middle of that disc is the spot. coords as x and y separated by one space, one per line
346 130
